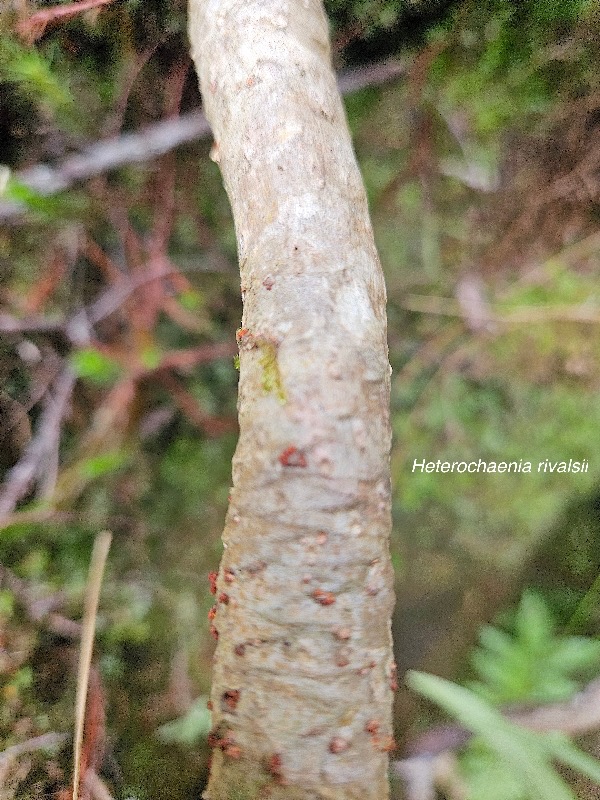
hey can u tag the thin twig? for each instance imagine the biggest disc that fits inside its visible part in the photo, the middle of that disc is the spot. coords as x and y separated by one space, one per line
112 298
47 741
96 786
39 609
155 140
187 359
212 426
29 324
53 516
446 307
77 327
31 465
99 555
33 27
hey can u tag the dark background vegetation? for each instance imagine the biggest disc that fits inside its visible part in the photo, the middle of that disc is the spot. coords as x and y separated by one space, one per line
482 166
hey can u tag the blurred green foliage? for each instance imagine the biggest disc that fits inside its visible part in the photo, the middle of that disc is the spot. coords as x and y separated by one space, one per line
506 760
529 662
36 74
92 364
190 728
533 663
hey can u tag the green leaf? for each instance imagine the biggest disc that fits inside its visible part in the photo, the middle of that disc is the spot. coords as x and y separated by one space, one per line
488 777
575 653
150 357
28 68
190 728
22 679
191 300
534 625
563 750
17 192
7 603
492 670
524 751
102 464
95 366
534 664
499 642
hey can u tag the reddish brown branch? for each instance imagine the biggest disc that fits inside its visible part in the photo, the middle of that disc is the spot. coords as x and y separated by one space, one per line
33 27
98 257
132 70
204 354
94 738
45 287
212 426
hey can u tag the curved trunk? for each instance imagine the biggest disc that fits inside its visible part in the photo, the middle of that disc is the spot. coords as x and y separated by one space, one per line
304 674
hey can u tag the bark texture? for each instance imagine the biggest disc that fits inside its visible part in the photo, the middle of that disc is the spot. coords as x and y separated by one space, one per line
304 674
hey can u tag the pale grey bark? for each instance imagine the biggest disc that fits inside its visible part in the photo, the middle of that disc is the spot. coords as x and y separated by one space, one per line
304 674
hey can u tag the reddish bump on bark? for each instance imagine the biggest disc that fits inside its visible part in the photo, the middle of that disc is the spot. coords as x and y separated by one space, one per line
366 669
338 745
220 739
226 743
342 657
239 649
385 744
256 567
233 751
274 763
372 727
245 339
213 739
268 283
212 581
342 633
274 768
394 678
292 457
223 598
213 631
323 597
231 698
212 613
228 576
209 704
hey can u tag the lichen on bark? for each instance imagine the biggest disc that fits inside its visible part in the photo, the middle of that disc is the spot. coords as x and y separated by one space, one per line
304 675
